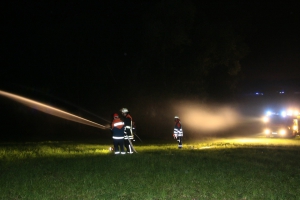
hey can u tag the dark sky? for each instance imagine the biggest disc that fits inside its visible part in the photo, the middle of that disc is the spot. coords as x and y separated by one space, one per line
274 46
45 40
75 49
80 52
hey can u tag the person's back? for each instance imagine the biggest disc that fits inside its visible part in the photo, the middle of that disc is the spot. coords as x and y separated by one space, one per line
117 127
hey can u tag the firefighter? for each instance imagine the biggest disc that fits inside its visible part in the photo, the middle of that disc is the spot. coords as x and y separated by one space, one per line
178 133
128 130
117 127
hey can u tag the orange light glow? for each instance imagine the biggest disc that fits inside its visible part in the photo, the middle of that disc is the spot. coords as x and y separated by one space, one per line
208 118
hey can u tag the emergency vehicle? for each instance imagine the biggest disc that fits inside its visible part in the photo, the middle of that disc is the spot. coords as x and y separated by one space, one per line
281 124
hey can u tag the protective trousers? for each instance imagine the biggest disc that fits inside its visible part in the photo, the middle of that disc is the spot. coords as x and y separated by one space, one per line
117 143
126 142
179 139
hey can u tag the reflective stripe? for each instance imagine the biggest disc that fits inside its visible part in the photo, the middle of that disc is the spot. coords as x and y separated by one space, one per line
128 127
128 137
118 124
117 152
117 137
178 132
123 153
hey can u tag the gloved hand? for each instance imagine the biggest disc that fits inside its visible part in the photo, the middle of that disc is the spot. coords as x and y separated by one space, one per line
174 136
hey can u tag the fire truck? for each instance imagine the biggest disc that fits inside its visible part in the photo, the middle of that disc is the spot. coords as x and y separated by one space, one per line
281 124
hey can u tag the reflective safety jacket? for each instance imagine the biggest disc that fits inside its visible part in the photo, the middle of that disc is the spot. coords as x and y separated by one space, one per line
117 127
128 127
178 132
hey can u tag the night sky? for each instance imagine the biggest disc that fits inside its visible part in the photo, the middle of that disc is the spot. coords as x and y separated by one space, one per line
49 45
91 54
274 46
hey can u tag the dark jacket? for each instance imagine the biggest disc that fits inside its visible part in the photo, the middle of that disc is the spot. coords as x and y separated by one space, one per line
117 127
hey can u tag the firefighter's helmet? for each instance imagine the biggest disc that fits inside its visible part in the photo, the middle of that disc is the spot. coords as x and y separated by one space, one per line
115 115
124 110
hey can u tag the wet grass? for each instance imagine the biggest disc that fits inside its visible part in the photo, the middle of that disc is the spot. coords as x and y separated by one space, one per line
204 169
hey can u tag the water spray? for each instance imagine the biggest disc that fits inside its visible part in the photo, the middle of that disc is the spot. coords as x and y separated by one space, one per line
51 110
69 103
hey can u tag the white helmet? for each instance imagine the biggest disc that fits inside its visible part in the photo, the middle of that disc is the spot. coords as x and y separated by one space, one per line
176 117
124 110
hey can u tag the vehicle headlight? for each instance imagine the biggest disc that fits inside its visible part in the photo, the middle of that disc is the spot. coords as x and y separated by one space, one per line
267 131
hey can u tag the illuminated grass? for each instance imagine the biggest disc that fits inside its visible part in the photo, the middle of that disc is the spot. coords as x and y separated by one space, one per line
206 169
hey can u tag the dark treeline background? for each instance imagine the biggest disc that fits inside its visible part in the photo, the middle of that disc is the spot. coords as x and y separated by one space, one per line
105 55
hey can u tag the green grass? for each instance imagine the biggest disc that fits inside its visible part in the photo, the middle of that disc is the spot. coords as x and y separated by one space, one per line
206 169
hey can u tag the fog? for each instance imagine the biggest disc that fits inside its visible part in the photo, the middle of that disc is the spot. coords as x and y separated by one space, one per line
154 118
213 120
208 118
199 119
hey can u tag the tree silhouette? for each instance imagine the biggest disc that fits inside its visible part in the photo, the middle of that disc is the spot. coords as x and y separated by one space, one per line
185 49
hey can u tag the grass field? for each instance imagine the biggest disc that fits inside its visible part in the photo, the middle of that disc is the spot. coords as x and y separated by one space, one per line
249 168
